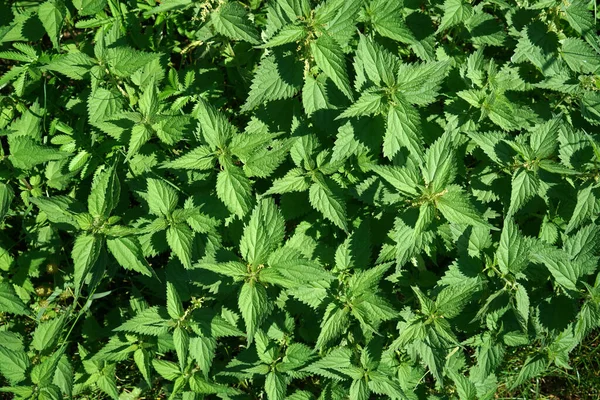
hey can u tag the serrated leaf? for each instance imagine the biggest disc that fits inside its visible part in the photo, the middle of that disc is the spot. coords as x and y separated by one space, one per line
263 234
234 190
231 20
105 193
456 207
181 341
525 185
128 253
275 386
52 14
201 158
47 333
254 306
565 272
142 361
586 207
403 130
513 250
202 350
13 365
522 305
167 369
326 202
162 198
455 12
86 251
335 322
287 34
579 56
330 58
387 21
7 195
277 77
152 321
180 239
10 302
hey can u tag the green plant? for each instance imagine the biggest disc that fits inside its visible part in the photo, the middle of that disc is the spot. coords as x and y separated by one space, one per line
293 199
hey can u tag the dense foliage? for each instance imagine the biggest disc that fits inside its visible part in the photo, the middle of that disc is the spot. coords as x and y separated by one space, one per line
289 199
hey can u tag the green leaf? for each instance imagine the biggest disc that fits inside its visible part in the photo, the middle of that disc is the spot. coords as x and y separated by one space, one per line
402 179
439 168
140 135
161 197
579 56
325 201
295 180
107 383
174 306
457 208
333 325
525 185
314 94
180 239
86 252
586 207
544 138
234 190
124 61
89 7
201 158
102 104
581 20
10 302
452 299
142 361
128 253
13 365
231 20
63 377
203 350
181 341
565 272
369 103
533 367
263 234
47 333
287 34
455 12
167 369
522 305
387 21
58 209
26 154
277 77
403 130
359 390
216 129
379 64
105 193
420 83
52 14
254 306
7 195
513 250
465 388
275 386
330 58
295 8
152 321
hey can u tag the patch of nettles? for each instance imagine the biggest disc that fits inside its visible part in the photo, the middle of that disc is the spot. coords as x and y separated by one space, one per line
292 199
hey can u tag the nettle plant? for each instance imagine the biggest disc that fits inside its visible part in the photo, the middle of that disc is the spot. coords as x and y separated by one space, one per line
296 199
